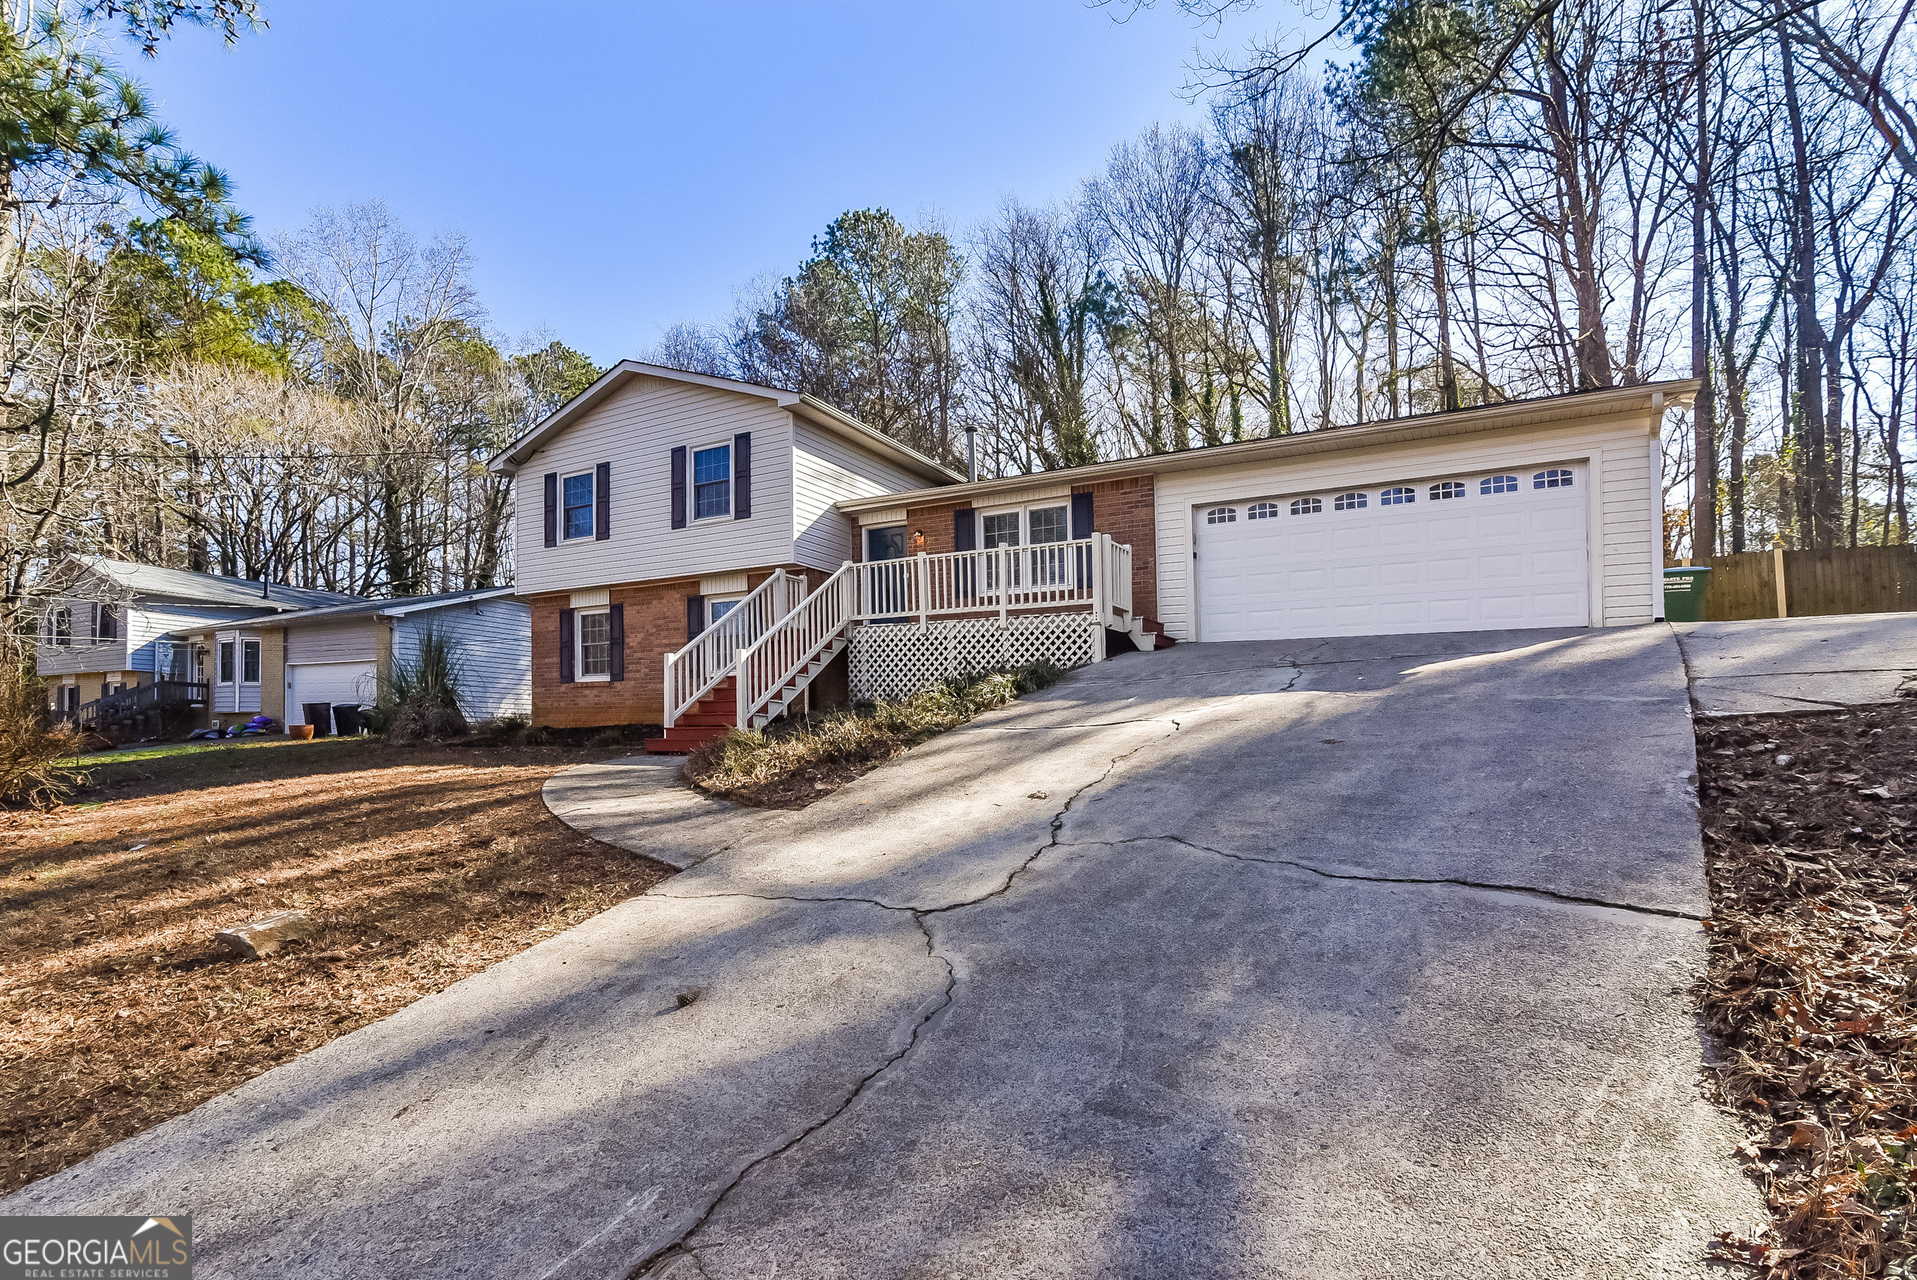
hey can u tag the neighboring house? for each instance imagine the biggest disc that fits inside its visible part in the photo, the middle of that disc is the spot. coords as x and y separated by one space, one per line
678 533
343 654
109 637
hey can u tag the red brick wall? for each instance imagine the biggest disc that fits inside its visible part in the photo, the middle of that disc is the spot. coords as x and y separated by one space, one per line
935 523
1124 508
655 626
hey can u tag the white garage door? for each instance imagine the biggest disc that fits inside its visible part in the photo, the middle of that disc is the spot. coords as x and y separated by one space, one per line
328 682
1499 549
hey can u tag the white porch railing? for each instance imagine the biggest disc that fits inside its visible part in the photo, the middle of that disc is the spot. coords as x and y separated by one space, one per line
1092 573
782 655
1089 574
692 672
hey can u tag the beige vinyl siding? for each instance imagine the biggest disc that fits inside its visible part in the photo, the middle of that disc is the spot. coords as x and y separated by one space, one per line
353 639
492 642
635 431
826 470
1622 514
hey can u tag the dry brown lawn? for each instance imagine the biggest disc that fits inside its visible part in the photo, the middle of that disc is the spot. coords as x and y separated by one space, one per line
421 864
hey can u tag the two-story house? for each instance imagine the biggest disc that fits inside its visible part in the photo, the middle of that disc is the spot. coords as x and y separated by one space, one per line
655 502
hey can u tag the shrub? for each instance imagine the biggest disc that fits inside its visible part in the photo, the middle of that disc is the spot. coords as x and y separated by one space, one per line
786 764
31 745
421 700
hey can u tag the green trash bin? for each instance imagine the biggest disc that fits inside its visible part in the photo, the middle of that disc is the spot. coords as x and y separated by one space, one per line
1684 590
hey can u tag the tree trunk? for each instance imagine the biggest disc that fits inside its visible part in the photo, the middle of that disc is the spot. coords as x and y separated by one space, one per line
1704 412
1820 501
1441 290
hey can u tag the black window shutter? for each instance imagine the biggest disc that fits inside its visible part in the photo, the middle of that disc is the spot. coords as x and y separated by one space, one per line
679 487
964 530
1081 515
552 508
617 666
695 617
565 646
602 502
742 475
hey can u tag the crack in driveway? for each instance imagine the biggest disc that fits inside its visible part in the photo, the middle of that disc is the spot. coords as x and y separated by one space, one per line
659 1261
1522 890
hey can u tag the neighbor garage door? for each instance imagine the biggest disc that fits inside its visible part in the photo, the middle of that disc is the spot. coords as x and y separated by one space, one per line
1458 553
328 682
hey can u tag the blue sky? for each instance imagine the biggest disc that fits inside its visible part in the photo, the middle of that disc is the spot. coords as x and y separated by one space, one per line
620 167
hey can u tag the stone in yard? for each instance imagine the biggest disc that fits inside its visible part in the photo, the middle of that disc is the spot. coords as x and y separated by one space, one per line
264 937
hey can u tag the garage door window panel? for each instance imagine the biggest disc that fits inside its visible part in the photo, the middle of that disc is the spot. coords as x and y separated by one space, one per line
1350 502
1498 484
1222 515
1555 478
1446 490
1307 506
1397 496
1261 511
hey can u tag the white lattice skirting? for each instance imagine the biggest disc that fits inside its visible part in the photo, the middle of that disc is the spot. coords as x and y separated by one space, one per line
895 660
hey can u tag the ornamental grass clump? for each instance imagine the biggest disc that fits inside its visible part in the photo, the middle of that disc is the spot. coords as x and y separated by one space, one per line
790 766
421 700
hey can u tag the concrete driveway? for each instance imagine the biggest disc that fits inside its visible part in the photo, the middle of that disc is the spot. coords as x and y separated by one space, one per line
1798 664
1349 958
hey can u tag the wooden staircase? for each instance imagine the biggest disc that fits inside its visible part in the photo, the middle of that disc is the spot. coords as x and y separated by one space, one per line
789 692
709 718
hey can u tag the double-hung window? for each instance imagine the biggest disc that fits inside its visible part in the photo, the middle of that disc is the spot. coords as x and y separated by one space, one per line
249 662
227 657
712 482
576 515
594 637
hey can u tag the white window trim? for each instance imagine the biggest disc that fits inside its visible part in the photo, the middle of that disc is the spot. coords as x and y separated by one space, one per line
579 646
239 641
1024 513
591 475
728 598
692 481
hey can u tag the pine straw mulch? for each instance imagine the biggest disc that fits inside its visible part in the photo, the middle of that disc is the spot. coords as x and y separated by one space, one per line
1810 835
421 864
807 758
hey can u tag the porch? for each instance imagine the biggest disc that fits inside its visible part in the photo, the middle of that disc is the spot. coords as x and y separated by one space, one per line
143 710
908 621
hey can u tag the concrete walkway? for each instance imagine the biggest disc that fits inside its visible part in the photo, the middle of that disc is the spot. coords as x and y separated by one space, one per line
1350 958
1798 664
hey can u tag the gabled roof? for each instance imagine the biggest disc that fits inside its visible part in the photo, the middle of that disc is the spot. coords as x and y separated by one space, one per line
210 588
1646 397
815 411
395 608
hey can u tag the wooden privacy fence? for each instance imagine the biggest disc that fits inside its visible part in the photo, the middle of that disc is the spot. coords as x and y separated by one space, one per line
1839 580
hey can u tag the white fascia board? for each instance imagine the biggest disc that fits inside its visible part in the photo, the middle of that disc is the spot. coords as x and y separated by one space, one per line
471 597
520 451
